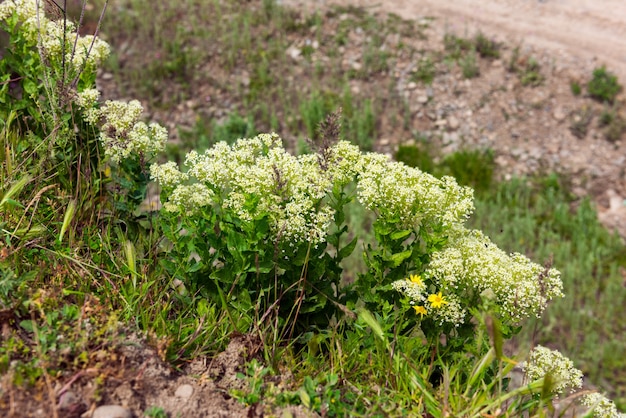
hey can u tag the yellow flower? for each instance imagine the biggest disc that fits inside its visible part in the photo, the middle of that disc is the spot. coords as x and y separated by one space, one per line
437 301
415 279
420 310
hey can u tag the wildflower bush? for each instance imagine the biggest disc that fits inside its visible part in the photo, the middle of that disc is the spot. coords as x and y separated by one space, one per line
52 120
262 233
268 232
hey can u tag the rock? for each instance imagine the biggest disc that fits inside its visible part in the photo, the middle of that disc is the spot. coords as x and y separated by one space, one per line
184 391
450 138
71 404
422 99
559 114
441 123
453 123
412 85
294 52
111 411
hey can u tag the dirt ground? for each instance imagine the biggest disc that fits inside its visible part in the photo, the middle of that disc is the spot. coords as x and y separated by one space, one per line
586 30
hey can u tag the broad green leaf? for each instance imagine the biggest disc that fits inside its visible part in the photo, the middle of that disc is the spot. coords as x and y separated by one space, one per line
398 258
347 250
400 234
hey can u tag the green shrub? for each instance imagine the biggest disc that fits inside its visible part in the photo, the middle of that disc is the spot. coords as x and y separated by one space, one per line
603 86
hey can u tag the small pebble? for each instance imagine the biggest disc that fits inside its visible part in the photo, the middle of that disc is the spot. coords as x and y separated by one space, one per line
111 411
184 391
68 399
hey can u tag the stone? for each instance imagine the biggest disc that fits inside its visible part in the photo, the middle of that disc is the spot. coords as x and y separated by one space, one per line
294 52
559 114
453 123
422 99
184 391
111 411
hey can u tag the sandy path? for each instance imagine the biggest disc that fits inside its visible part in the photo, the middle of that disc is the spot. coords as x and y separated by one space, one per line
593 31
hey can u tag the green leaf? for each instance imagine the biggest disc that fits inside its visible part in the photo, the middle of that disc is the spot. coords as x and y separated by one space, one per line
382 229
400 234
347 250
30 87
398 258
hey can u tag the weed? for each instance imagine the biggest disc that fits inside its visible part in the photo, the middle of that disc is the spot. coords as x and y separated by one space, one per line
155 412
416 156
614 124
469 65
603 86
456 46
580 122
530 74
425 71
575 88
486 48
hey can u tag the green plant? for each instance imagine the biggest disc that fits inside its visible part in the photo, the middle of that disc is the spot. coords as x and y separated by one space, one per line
603 86
526 67
262 230
486 48
575 88
540 216
456 46
580 122
417 155
155 412
469 65
530 74
425 71
613 123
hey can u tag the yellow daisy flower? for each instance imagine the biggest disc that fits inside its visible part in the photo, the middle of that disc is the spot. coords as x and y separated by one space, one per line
436 300
415 279
420 310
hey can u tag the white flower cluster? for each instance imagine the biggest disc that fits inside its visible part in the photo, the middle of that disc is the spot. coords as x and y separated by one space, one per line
56 40
542 361
396 191
471 264
25 9
601 406
122 134
86 100
255 177
441 308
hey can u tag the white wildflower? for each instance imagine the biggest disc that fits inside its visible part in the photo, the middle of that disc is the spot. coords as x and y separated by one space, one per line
167 175
471 264
410 196
542 361
601 406
87 98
